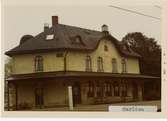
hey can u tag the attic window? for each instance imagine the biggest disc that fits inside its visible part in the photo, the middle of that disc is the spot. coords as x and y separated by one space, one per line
49 37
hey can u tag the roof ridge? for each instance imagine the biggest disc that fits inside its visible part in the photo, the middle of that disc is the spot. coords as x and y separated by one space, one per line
77 27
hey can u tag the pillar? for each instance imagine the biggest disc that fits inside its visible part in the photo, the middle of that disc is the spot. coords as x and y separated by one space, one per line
70 98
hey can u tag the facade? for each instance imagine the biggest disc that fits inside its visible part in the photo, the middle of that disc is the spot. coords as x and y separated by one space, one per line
98 67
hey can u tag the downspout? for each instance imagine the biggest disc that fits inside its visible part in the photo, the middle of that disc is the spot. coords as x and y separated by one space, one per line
65 61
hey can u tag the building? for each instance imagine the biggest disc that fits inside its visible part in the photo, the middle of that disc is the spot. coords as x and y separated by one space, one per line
98 67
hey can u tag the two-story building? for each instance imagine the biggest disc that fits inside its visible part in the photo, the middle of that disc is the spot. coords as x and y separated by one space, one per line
98 67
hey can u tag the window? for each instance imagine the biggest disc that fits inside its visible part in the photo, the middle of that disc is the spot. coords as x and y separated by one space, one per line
124 70
91 89
49 37
108 88
76 40
114 66
100 64
116 89
105 48
88 63
38 63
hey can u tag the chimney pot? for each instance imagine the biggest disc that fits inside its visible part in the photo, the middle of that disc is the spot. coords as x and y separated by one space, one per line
46 26
54 20
104 28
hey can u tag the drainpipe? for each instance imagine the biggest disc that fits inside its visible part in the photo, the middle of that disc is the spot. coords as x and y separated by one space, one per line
65 61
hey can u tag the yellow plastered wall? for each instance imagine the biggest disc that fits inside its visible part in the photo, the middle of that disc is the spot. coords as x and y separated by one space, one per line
23 64
76 61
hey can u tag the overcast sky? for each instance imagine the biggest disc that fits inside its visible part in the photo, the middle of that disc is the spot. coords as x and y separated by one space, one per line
21 20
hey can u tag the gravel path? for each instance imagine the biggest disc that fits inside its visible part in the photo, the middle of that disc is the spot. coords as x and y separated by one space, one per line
101 107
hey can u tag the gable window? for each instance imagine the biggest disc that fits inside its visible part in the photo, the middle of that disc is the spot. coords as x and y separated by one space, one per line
105 48
116 89
88 63
100 64
38 63
90 89
124 69
114 65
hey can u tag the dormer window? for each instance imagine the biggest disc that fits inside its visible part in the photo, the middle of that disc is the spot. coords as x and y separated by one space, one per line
76 40
49 37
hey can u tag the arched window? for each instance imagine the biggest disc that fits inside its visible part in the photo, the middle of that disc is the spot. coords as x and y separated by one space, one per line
114 66
100 64
88 63
38 63
105 48
124 69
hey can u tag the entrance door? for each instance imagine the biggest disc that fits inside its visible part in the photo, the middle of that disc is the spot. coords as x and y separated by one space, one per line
135 91
76 93
39 97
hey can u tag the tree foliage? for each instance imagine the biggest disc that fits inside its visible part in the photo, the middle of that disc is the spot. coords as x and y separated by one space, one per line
8 68
148 49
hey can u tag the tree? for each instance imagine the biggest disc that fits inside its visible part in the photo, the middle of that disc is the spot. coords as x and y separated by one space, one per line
8 68
148 49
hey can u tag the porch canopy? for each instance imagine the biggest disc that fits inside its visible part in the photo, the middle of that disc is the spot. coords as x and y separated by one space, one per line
79 76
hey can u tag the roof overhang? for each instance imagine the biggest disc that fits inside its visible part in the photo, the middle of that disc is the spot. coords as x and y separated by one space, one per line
79 75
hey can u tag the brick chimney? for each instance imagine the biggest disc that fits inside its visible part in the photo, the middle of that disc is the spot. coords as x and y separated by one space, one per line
54 20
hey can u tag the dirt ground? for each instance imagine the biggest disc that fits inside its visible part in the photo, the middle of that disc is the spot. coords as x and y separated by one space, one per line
101 107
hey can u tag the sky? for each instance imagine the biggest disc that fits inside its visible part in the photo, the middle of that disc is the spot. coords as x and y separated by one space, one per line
19 20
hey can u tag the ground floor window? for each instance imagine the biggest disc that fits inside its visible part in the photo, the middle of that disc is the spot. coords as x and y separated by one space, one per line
108 89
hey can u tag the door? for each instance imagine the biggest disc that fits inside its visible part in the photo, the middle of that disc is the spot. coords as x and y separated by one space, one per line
135 91
76 93
39 101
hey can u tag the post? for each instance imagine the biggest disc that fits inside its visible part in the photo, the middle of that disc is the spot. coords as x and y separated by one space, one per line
70 98
140 91
8 100
16 96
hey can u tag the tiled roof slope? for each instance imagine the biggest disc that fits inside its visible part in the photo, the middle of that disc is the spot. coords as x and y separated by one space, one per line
63 37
